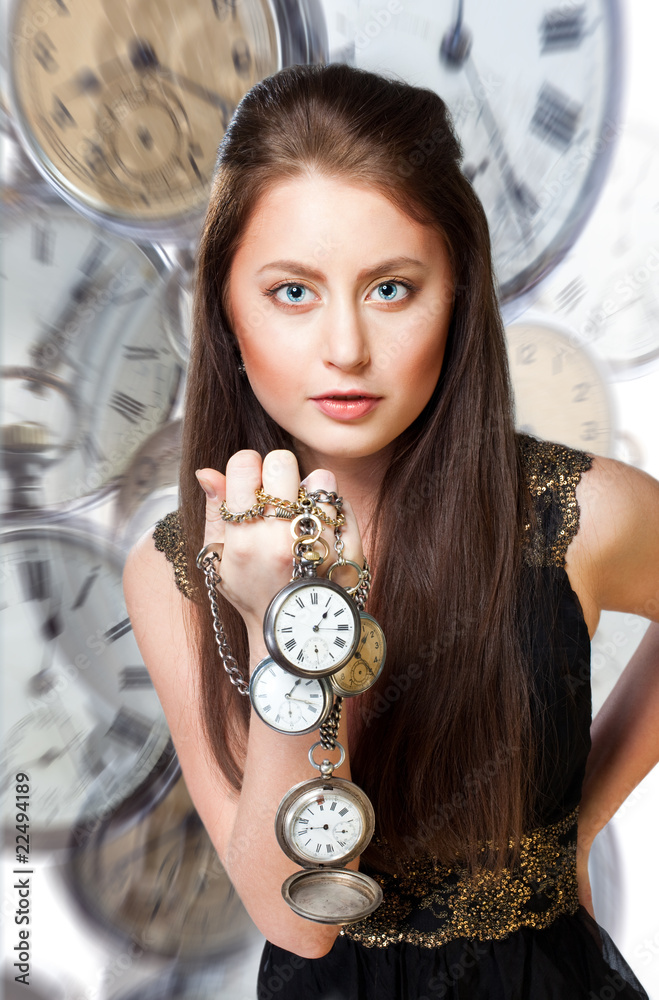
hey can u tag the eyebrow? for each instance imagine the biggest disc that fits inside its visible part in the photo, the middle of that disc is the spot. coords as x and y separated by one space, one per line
296 266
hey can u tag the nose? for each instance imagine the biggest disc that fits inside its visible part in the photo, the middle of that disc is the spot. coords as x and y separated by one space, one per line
345 337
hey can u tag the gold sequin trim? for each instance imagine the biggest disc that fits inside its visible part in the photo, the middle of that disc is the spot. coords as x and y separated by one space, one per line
553 472
168 538
488 905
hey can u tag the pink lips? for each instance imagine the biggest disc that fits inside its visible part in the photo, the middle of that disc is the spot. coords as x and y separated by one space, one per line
346 409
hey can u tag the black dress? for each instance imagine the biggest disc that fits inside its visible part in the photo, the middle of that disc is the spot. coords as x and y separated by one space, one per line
519 934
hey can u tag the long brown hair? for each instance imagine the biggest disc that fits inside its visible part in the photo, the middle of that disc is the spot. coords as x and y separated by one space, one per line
447 751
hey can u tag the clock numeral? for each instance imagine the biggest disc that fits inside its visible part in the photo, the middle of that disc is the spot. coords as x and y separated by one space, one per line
291 644
94 158
277 717
242 57
91 262
318 847
581 390
42 49
563 28
314 709
195 169
303 820
91 451
314 598
338 641
128 407
287 628
43 243
333 806
343 811
572 294
298 600
555 117
341 611
61 114
140 353
300 656
36 579
526 354
341 843
87 585
129 728
224 8
116 632
590 430
134 677
343 628
329 848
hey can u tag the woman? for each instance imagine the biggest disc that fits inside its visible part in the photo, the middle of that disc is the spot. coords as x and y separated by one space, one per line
338 260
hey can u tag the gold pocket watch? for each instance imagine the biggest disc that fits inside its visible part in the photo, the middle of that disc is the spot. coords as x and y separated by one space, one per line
367 662
322 824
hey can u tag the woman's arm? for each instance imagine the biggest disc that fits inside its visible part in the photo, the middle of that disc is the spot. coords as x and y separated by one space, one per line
615 561
241 826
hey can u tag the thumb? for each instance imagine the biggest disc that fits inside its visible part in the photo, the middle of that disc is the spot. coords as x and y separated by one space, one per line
213 483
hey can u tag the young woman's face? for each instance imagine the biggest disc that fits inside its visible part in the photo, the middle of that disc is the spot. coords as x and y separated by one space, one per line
334 292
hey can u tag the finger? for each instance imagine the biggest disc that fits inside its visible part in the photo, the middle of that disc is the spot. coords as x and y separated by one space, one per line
281 475
323 479
243 478
213 483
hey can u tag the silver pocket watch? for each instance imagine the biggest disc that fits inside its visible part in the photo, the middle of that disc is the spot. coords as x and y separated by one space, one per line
322 824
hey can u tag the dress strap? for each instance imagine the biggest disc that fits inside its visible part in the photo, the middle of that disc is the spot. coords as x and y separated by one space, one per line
552 473
168 538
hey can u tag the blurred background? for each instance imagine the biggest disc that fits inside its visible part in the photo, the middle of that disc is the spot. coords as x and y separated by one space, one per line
110 116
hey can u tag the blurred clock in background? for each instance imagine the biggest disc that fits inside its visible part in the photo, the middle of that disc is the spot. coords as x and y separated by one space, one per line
80 713
614 306
89 372
533 89
122 106
150 487
561 393
150 874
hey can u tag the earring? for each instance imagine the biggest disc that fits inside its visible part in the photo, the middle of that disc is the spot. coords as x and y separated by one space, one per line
241 368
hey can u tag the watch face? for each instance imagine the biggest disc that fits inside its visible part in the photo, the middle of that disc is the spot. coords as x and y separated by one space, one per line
324 822
533 91
560 394
366 665
123 106
89 373
81 716
286 702
312 627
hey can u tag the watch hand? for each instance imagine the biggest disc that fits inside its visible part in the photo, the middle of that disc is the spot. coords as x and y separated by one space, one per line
456 43
143 57
304 701
324 615
289 693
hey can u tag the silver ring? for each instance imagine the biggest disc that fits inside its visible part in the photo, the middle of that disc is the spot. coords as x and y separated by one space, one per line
317 744
206 551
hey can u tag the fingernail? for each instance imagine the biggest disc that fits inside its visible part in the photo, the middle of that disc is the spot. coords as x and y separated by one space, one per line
206 487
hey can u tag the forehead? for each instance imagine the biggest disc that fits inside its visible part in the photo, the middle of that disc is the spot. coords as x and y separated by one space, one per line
323 216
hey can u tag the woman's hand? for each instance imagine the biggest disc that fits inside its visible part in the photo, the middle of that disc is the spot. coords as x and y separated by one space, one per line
257 560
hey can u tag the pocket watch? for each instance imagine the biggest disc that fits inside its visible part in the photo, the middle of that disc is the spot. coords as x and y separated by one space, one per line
287 702
367 662
312 627
533 88
122 107
322 824
81 715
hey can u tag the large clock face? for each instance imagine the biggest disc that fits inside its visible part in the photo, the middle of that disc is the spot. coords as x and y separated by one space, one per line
80 714
89 372
532 90
123 104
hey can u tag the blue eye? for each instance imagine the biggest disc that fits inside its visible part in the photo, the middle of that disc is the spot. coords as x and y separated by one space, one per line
389 291
294 293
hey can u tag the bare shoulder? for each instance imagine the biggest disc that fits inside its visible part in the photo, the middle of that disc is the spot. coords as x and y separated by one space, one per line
615 553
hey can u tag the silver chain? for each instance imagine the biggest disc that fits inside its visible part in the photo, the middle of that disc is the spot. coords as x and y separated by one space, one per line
329 729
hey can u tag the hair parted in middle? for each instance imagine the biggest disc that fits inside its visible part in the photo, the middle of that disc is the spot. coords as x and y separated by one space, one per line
449 521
